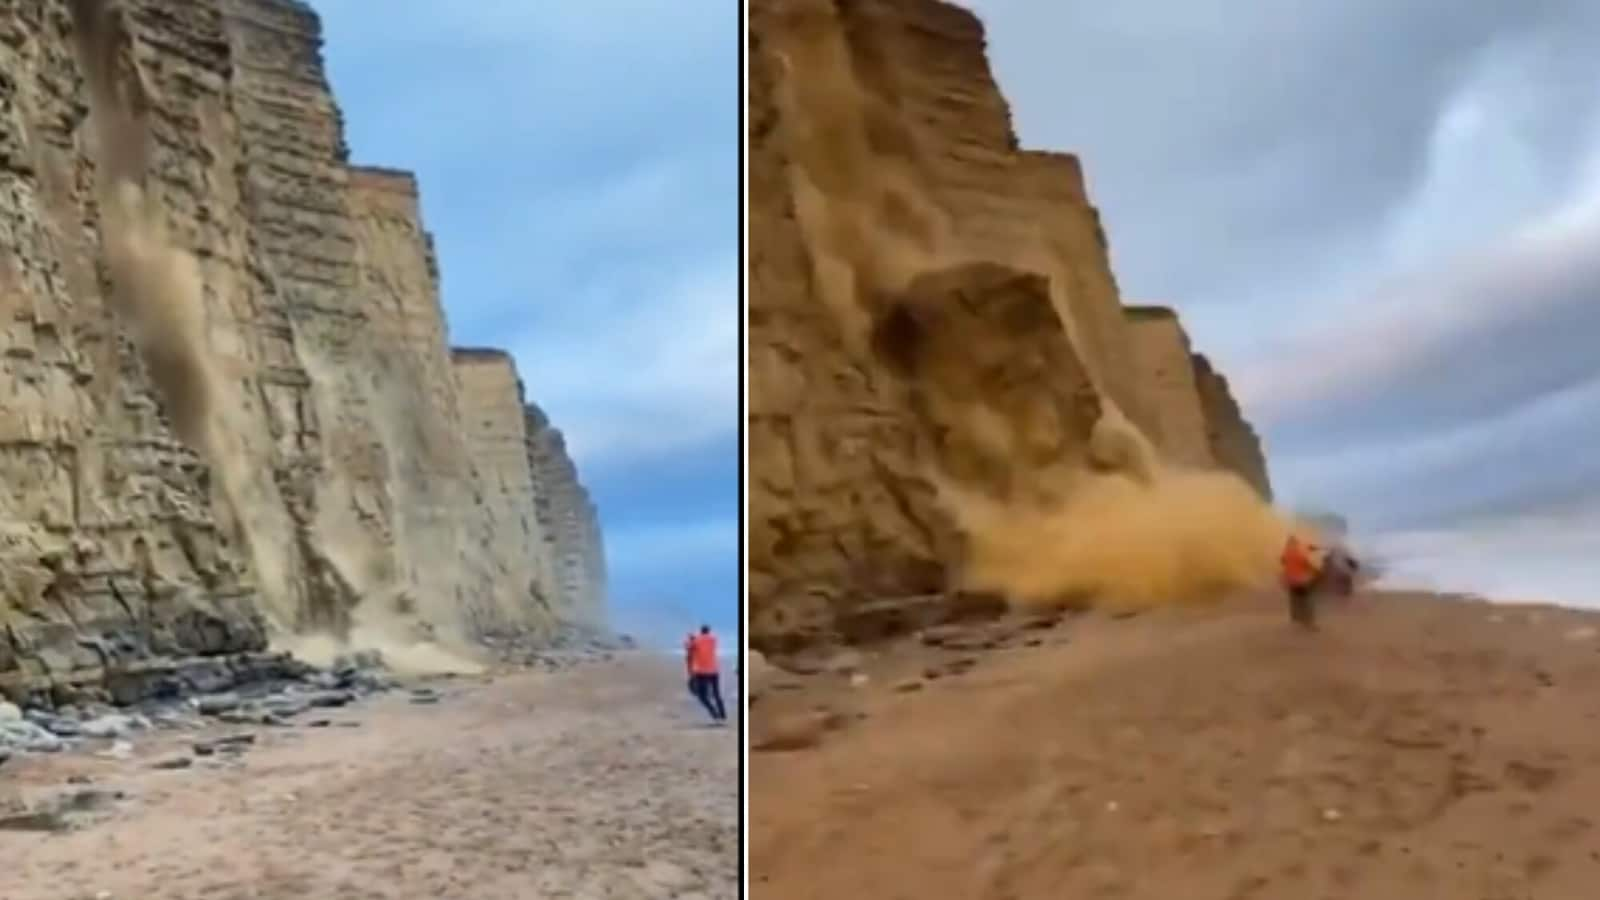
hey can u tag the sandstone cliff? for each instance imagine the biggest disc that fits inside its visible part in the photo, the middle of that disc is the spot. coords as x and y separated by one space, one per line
935 328
1194 418
1234 444
568 519
354 478
492 423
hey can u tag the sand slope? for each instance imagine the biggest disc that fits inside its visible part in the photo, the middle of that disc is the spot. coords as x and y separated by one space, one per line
1418 747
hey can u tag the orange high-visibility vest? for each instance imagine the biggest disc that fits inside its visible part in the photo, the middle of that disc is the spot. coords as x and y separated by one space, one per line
703 655
1298 569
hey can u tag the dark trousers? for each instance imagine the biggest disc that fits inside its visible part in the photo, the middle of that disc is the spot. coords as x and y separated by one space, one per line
708 690
1302 611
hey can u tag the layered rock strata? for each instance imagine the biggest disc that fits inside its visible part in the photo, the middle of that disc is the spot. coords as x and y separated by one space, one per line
369 501
932 311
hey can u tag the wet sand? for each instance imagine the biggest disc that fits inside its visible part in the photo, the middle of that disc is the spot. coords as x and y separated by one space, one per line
1417 747
599 781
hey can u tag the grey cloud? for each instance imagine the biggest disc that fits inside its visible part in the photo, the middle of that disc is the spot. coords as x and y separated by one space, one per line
1495 416
1537 310
1535 457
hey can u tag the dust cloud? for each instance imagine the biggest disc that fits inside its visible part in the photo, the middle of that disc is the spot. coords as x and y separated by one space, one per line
158 296
401 653
1127 531
1182 537
1124 529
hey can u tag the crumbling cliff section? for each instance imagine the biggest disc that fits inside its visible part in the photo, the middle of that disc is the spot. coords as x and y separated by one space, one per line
933 318
320 310
443 530
112 553
1161 355
331 471
1234 443
497 437
1194 419
836 510
568 519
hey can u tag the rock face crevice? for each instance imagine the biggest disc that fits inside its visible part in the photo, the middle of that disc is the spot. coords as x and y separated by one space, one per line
371 493
933 314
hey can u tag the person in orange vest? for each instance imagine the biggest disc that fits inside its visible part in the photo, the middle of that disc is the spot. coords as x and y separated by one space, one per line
1299 567
703 673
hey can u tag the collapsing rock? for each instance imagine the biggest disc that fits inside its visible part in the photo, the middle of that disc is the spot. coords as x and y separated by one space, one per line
943 383
991 375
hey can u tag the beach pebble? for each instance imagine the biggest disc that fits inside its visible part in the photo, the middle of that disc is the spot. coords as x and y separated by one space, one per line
21 735
109 727
216 704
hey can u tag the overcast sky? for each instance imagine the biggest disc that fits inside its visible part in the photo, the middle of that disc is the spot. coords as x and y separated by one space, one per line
579 170
1382 220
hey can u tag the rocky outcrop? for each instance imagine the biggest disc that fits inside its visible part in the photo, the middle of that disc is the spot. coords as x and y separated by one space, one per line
933 317
355 490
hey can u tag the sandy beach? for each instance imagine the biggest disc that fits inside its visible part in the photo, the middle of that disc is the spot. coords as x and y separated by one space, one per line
1417 747
598 781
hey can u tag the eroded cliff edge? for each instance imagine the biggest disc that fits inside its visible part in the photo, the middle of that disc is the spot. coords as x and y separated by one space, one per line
936 334
374 503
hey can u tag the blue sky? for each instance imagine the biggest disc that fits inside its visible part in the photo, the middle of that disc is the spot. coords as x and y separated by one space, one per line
579 170
1380 219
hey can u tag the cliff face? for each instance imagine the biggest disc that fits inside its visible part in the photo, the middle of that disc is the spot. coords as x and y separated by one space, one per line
1234 443
1161 355
492 424
445 550
568 519
358 490
933 316
1194 418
